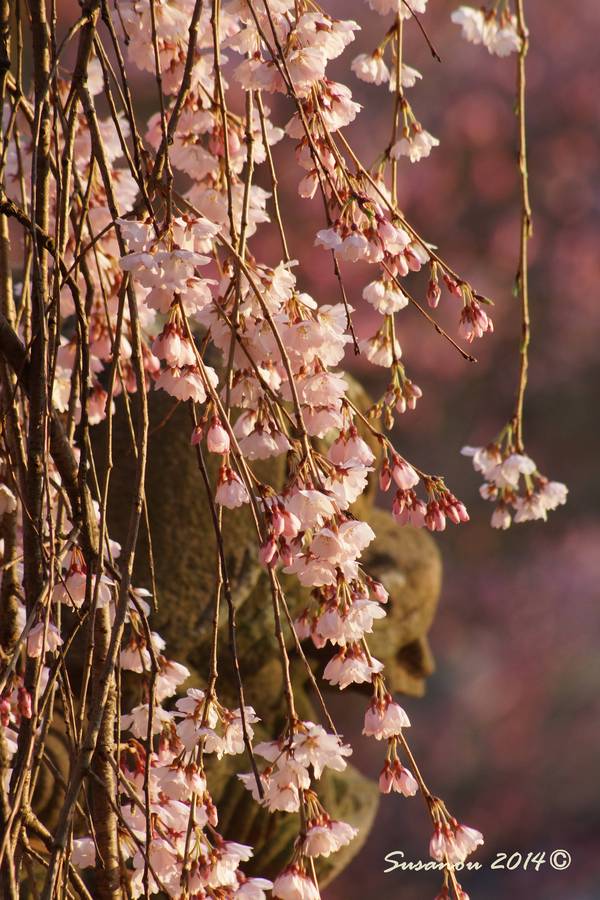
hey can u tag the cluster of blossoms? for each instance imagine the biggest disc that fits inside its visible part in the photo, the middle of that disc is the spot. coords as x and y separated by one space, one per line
451 844
186 848
513 483
145 285
511 478
415 142
290 760
496 30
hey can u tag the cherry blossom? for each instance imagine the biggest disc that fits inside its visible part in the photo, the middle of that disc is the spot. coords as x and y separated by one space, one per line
294 884
454 842
371 68
513 482
351 666
396 778
497 32
384 719
43 639
326 838
217 438
231 491
417 145
157 284
83 853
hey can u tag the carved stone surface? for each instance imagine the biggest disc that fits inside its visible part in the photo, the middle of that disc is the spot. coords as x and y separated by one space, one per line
184 553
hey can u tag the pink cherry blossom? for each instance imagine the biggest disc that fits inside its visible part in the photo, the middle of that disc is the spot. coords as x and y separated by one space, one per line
394 777
217 438
351 666
370 68
384 719
37 645
294 884
231 491
327 838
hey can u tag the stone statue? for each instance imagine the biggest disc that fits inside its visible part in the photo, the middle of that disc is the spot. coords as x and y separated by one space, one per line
183 552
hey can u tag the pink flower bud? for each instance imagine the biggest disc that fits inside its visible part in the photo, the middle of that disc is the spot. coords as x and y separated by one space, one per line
403 474
400 505
413 393
434 292
453 286
385 476
386 779
404 781
4 712
379 592
285 553
277 521
455 510
24 703
268 552
435 519
414 263
437 847
463 515
197 435
211 811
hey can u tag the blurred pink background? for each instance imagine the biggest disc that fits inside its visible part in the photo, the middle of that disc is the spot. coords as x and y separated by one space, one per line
509 732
